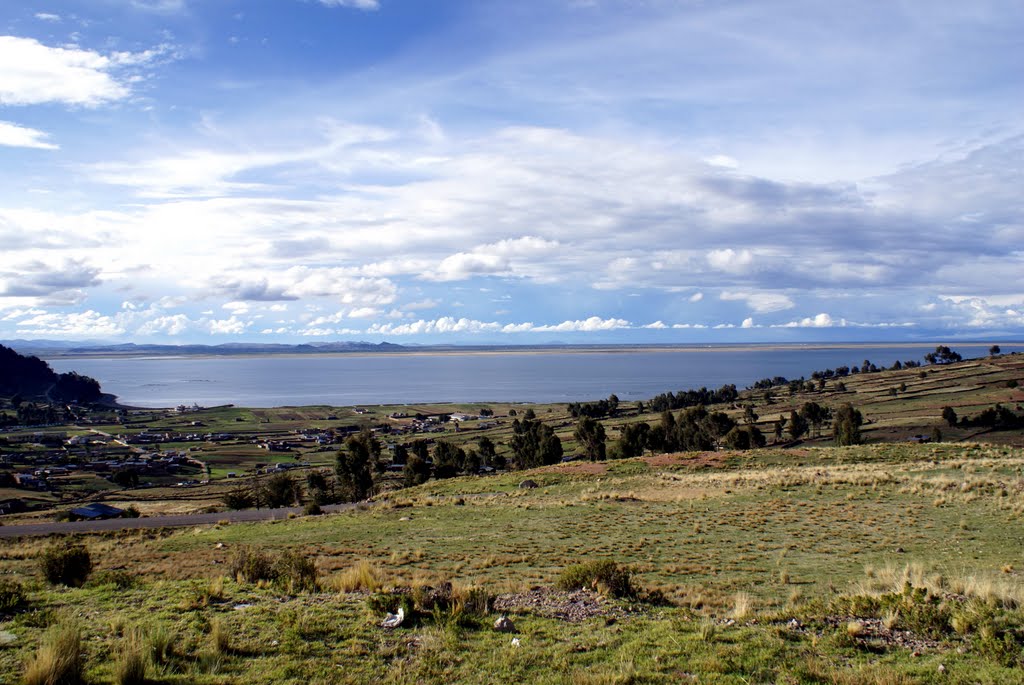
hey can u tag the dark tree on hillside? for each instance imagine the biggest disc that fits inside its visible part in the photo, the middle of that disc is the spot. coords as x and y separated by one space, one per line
744 438
994 350
632 441
949 416
815 414
449 459
354 466
797 425
846 426
280 490
590 436
416 471
534 443
942 355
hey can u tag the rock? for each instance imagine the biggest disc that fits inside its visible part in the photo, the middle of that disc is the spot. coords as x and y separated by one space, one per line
528 485
942 668
504 625
219 545
794 624
393 620
515 642
899 550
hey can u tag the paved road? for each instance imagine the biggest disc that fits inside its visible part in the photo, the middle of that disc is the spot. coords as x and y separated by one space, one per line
72 527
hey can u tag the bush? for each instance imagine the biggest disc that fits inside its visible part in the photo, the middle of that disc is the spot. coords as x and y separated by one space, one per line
66 564
59 658
251 565
312 509
603 575
122 580
12 595
297 571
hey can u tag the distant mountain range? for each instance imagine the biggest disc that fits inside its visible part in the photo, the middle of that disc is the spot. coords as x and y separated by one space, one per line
51 348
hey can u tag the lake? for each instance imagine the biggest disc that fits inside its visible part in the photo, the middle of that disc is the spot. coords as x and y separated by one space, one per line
505 376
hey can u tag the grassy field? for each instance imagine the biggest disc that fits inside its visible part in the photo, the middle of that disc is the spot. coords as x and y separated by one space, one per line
882 563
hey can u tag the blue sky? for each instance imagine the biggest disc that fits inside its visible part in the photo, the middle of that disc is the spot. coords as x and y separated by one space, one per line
511 172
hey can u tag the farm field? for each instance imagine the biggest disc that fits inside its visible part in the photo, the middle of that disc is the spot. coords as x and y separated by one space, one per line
771 565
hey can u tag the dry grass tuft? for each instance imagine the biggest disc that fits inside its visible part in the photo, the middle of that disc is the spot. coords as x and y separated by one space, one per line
360 577
132 659
58 661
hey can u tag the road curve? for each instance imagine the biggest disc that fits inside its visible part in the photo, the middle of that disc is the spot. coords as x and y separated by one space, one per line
148 522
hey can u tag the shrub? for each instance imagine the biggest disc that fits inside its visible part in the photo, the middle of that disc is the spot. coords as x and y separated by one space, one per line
603 575
122 580
12 595
297 571
312 509
251 565
58 660
66 564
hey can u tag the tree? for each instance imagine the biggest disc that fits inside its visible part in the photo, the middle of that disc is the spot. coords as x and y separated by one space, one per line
590 436
942 355
846 426
779 426
353 466
750 416
319 488
744 438
416 471
994 350
449 459
280 490
718 424
949 416
797 425
238 497
534 443
815 415
632 440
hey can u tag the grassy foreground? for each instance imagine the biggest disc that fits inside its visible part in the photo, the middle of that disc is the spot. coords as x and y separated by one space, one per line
875 564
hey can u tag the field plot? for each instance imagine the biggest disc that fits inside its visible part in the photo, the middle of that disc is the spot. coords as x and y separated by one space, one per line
888 563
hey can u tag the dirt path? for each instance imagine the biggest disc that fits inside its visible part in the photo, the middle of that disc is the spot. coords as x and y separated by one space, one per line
182 520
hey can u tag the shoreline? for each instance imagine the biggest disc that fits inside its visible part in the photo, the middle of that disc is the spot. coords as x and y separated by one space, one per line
523 350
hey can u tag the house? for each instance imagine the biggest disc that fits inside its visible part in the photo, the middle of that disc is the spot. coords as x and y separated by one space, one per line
96 511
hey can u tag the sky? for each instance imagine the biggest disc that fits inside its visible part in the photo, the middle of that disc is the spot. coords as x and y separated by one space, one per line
486 171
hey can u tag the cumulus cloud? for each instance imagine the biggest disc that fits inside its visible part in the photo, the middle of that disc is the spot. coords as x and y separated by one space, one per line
89 323
13 135
696 297
657 325
730 260
495 259
594 323
760 302
357 4
32 73
174 324
822 320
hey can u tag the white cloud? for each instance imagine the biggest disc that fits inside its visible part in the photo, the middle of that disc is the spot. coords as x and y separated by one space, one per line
230 326
696 297
33 73
496 259
357 4
748 323
47 16
13 135
822 320
364 313
722 161
89 324
657 325
174 324
760 302
730 260
594 323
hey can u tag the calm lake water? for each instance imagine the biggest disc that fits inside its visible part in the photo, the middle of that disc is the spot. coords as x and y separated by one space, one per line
345 380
